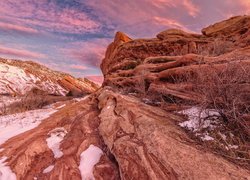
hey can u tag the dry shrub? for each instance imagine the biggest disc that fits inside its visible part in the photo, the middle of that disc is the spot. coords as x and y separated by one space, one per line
221 47
33 100
226 89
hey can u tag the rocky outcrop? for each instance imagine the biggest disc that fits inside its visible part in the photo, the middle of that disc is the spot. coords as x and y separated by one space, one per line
77 87
155 66
148 144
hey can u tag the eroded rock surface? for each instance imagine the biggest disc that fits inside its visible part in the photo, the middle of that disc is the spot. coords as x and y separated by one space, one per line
153 65
29 155
138 141
148 144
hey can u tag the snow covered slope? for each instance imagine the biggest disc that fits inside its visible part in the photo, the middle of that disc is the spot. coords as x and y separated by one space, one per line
20 77
12 125
14 80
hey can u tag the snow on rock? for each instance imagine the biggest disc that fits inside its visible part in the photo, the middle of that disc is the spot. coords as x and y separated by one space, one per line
16 80
52 87
197 118
81 98
89 158
14 124
5 171
48 169
233 146
60 107
206 137
200 121
54 140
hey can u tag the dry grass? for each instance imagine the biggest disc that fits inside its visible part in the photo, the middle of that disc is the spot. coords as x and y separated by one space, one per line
227 91
30 102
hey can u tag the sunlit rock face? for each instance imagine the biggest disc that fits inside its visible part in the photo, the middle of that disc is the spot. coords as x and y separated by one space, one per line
153 65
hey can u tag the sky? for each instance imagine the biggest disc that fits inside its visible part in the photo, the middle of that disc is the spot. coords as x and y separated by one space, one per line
72 35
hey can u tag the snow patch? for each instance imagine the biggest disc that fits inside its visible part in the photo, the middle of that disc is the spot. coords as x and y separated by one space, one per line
201 122
14 124
54 140
81 98
198 119
63 105
48 169
233 146
206 137
89 158
5 171
146 101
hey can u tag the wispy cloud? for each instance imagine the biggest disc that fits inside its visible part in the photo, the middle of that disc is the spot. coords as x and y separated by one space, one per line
246 5
78 67
169 22
20 53
89 53
47 15
186 5
96 78
12 27
144 17
192 9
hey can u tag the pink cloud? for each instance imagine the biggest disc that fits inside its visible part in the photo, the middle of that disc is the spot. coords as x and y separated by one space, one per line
78 67
20 53
10 27
47 16
138 17
246 5
192 9
169 22
96 78
90 53
187 5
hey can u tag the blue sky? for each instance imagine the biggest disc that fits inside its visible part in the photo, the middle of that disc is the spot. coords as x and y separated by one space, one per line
72 35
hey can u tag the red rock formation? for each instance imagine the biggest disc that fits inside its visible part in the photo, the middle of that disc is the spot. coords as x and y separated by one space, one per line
29 154
151 65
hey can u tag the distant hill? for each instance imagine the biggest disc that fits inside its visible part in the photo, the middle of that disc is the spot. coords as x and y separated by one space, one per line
20 77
